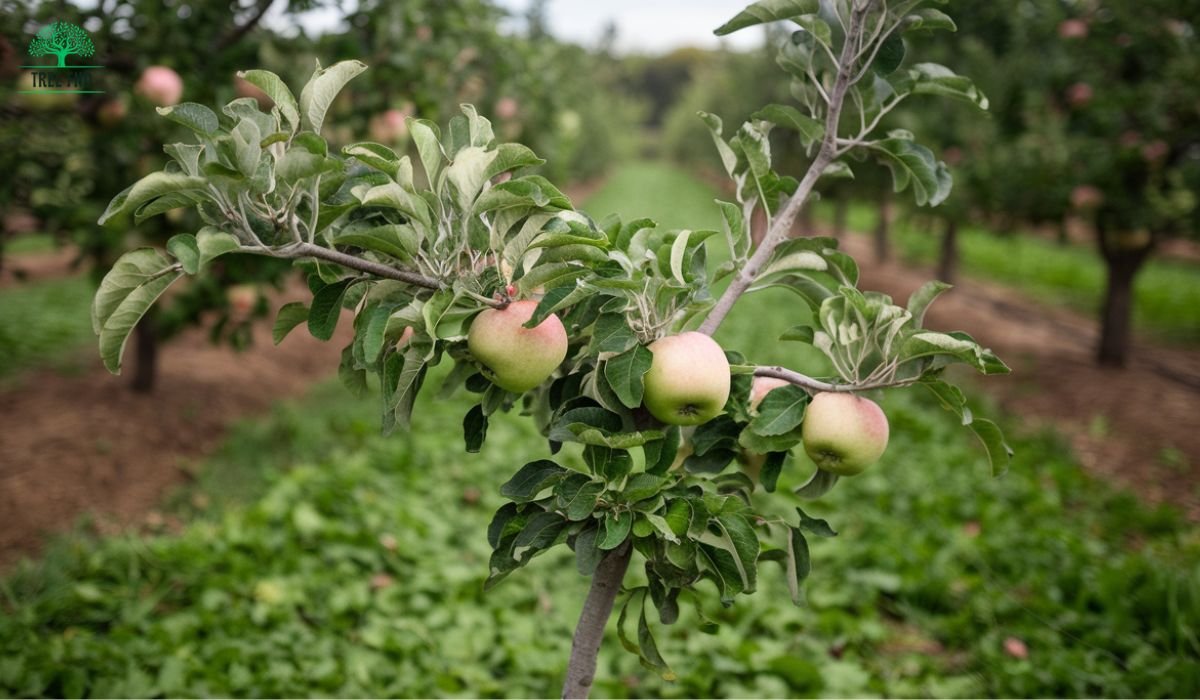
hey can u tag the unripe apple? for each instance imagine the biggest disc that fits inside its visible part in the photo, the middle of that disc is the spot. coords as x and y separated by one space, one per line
514 357
760 387
241 298
843 433
160 85
688 381
389 126
1073 29
1079 94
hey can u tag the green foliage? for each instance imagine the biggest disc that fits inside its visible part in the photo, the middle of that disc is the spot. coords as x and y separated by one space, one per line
275 596
44 322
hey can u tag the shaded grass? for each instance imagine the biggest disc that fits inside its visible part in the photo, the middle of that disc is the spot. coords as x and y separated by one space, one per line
44 324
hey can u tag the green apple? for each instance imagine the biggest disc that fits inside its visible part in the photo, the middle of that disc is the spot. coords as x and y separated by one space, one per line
843 433
688 381
514 357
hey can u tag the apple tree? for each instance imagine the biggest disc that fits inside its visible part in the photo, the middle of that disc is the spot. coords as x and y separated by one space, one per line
598 331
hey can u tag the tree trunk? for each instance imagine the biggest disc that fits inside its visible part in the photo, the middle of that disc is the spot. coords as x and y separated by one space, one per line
1124 254
883 227
145 369
841 207
948 258
606 584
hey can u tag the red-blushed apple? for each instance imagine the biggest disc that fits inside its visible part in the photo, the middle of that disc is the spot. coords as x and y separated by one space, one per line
760 387
843 433
160 85
514 357
507 108
688 381
241 298
390 125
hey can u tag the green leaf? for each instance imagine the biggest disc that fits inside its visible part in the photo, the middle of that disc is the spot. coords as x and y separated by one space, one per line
399 241
956 345
427 138
616 529
133 284
290 315
279 93
213 243
577 496
612 334
799 564
912 162
817 485
765 11
148 188
737 531
196 117
327 309
375 155
625 372
890 55
919 301
185 249
642 486
649 654
928 19
816 526
532 479
935 79
781 410
810 130
323 87
511 156
475 426
587 551
539 534
610 464
772 466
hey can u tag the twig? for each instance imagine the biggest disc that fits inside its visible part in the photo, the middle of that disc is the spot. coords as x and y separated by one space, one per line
783 224
816 385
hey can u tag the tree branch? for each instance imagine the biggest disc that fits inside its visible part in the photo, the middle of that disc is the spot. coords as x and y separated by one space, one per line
309 250
241 30
783 224
816 385
606 583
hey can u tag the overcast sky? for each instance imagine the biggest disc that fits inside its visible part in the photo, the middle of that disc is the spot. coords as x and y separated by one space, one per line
650 26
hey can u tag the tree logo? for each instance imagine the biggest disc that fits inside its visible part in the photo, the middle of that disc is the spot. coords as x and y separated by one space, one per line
60 40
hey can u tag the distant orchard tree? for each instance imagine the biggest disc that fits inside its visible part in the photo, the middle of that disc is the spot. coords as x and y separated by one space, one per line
61 39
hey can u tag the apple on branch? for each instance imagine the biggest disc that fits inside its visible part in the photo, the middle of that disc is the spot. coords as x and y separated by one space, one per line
688 381
843 433
514 357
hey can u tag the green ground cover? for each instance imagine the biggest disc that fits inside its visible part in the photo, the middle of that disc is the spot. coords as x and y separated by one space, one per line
351 564
45 323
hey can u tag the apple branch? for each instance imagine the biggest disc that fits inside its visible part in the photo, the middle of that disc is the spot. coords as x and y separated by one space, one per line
812 385
783 224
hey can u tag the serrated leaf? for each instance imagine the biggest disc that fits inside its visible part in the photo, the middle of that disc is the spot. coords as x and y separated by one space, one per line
532 479
150 187
290 315
817 485
810 130
799 564
913 163
327 309
475 426
919 301
781 410
185 249
322 88
816 526
279 93
612 334
625 374
616 529
196 117
587 551
129 289
766 11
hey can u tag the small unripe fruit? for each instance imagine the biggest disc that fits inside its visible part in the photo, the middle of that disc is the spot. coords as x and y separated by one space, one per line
688 381
160 85
112 112
843 433
514 357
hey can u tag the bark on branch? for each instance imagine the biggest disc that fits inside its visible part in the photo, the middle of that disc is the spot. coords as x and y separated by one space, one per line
589 633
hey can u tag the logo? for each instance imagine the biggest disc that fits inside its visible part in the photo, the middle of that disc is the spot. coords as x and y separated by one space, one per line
60 40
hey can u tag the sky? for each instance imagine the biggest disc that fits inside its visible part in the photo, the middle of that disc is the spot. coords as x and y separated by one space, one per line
643 26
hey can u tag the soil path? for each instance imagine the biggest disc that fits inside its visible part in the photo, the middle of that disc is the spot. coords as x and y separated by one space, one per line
1137 427
86 443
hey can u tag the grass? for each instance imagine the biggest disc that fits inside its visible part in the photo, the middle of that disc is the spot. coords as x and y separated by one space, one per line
339 562
1167 292
44 324
30 243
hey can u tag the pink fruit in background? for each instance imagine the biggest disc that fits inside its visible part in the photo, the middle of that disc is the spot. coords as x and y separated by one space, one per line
1073 29
1086 197
160 85
688 381
514 357
1079 94
389 126
844 433
760 387
1155 151
245 88
507 108
112 112
241 298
